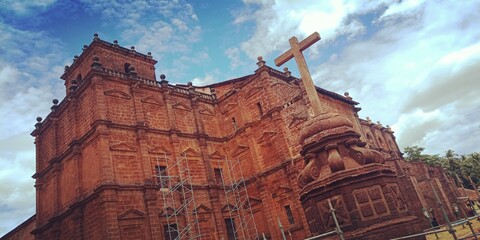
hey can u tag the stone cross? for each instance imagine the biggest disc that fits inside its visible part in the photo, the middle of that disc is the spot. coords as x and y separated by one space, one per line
296 52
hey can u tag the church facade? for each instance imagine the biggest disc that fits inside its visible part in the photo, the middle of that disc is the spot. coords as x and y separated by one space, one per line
127 156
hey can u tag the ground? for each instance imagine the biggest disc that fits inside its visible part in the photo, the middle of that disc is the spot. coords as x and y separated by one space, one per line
462 232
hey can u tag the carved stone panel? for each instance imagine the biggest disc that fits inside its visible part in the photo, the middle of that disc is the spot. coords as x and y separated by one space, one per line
394 198
340 211
371 202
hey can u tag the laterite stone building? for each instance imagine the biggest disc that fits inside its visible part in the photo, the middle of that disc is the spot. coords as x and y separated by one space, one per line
109 154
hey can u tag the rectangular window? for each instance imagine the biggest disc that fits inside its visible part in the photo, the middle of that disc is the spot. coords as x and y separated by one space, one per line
170 232
218 175
234 122
162 176
260 110
230 224
289 213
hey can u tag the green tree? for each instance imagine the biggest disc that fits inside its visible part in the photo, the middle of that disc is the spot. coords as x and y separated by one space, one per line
462 165
451 162
415 153
470 165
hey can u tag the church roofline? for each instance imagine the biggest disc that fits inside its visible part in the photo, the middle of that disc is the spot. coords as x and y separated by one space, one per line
230 81
288 78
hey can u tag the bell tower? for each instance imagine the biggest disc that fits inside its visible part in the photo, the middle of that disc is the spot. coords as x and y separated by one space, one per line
75 176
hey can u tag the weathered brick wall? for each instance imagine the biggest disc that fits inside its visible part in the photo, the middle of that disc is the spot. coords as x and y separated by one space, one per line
423 178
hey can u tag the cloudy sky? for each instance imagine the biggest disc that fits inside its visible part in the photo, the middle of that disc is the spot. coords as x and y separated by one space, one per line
414 65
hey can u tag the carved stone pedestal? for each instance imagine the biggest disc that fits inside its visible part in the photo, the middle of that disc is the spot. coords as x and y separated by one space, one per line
363 190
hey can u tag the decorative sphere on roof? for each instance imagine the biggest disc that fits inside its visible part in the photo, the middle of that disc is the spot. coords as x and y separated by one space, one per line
189 84
285 69
259 58
115 42
55 101
95 35
162 76
132 47
39 119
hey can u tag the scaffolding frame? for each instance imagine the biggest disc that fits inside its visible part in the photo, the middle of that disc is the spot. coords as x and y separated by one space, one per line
238 202
178 195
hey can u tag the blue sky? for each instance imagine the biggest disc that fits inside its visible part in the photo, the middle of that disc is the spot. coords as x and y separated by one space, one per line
412 64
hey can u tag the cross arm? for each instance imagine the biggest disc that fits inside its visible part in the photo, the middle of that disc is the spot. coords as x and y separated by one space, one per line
279 61
296 46
309 41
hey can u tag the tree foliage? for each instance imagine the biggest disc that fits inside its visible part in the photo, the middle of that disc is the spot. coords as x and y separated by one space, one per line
463 166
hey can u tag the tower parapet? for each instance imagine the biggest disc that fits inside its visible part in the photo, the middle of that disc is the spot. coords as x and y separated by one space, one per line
111 56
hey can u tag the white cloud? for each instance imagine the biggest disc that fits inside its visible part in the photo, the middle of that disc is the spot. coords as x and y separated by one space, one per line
412 64
418 71
7 75
30 65
401 9
25 7
277 21
18 195
233 54
208 79
167 29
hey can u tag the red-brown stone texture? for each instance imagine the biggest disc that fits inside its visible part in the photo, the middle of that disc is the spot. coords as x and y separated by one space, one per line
98 149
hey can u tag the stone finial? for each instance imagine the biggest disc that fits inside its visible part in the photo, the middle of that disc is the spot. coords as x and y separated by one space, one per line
75 58
55 104
389 129
149 55
96 62
379 123
163 81
66 68
39 123
132 48
260 62
369 120
115 42
191 89
84 48
95 36
347 95
287 72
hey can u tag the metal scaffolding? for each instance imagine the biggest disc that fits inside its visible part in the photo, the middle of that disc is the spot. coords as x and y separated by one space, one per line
236 197
175 183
